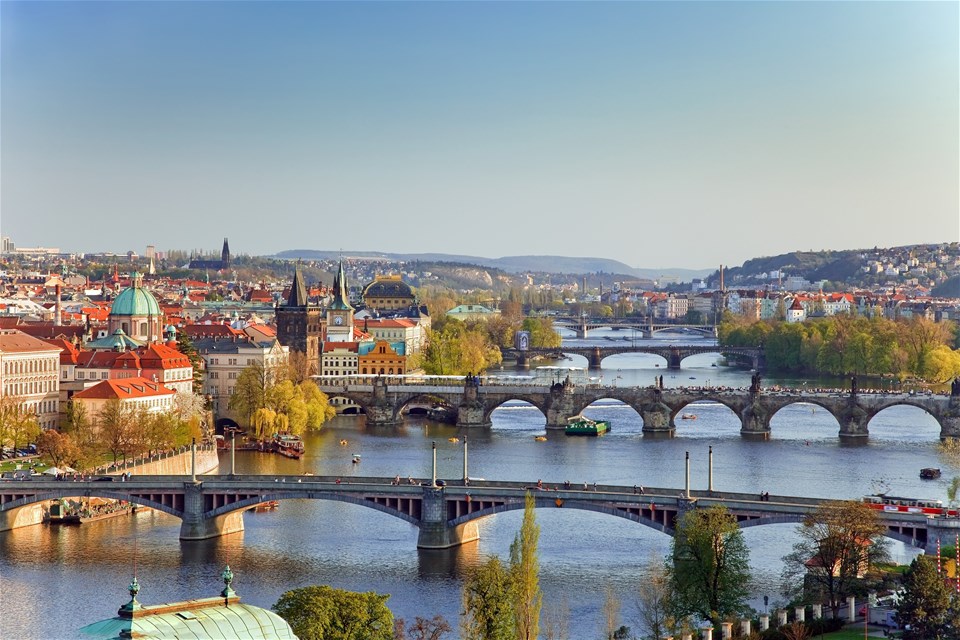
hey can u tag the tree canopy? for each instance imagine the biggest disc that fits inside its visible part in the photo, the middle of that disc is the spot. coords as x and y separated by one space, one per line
324 613
709 567
924 609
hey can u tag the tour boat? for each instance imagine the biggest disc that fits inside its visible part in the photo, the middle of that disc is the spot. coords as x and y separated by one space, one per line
289 446
581 426
930 473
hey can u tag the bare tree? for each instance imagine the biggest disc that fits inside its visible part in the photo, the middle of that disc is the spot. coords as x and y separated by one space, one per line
556 620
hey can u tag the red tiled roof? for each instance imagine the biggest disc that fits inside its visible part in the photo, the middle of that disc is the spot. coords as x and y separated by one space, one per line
14 341
125 389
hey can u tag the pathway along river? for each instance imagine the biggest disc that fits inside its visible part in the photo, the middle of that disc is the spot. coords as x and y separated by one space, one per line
55 580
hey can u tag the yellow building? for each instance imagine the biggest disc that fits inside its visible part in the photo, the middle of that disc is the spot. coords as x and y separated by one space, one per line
383 359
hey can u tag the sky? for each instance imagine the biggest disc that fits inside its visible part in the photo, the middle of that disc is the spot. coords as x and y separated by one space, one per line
678 134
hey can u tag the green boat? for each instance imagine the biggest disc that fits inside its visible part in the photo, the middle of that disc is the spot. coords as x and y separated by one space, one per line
581 426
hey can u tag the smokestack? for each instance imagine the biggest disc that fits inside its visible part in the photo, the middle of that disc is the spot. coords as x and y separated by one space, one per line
56 308
721 279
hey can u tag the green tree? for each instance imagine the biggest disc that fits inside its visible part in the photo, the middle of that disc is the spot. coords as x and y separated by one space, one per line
525 575
924 608
116 425
839 542
488 611
542 332
18 425
252 388
710 568
324 613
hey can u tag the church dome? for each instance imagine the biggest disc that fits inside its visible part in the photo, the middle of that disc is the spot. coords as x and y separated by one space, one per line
388 287
135 301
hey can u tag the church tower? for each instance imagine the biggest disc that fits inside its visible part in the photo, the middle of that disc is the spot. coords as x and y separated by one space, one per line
225 255
340 313
298 323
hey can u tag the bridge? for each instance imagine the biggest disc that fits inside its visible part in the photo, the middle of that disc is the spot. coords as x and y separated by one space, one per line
383 399
446 514
583 324
673 354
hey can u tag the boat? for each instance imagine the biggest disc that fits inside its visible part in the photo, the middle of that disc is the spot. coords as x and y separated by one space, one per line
688 416
356 458
540 438
270 505
453 439
929 473
581 426
343 443
62 512
288 445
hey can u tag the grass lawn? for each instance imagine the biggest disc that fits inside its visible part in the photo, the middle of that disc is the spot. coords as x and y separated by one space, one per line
10 465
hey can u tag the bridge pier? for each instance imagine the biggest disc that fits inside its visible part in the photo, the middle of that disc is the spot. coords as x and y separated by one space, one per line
941 529
657 419
434 531
25 516
471 412
522 362
673 360
853 421
950 422
755 420
197 527
381 412
561 405
595 358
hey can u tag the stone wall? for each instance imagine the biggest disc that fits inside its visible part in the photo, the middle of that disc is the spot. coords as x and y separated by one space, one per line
172 464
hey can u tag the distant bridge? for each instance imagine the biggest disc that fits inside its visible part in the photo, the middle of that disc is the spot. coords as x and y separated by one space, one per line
673 354
583 324
384 397
446 516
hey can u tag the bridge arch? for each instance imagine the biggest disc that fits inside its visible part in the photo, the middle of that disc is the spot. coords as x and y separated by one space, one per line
910 401
678 410
550 503
541 403
356 399
822 417
592 401
243 505
110 495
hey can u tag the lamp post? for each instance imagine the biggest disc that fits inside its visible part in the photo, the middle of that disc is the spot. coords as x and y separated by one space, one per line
433 482
466 477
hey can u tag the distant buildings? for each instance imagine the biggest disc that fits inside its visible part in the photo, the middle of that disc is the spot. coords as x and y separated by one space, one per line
198 262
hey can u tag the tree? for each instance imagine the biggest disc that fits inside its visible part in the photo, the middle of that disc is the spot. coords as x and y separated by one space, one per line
60 448
525 575
556 621
488 604
253 385
18 425
324 613
710 569
116 425
610 614
838 543
923 609
654 601
421 628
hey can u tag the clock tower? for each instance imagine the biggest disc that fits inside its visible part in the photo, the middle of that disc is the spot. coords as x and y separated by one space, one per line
340 313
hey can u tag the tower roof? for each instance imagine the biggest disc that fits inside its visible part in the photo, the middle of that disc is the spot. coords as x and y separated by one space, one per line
341 299
135 301
298 290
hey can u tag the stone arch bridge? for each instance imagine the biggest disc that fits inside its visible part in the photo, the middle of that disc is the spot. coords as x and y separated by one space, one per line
673 354
581 325
446 516
383 400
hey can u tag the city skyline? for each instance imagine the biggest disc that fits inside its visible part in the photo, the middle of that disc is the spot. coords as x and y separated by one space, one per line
656 134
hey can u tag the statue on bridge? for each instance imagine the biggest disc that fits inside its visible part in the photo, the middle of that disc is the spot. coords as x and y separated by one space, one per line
955 387
755 383
853 385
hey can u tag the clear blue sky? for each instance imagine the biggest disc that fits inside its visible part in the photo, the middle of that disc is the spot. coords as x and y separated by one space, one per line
658 134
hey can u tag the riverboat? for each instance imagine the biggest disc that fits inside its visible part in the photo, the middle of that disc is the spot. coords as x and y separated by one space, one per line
288 446
688 416
929 473
61 512
581 426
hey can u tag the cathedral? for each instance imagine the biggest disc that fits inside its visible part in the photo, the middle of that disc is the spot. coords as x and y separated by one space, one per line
199 262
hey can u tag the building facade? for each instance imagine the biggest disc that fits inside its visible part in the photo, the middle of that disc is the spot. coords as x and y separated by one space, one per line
30 375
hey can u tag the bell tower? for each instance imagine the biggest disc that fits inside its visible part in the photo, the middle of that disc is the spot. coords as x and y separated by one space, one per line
340 313
298 323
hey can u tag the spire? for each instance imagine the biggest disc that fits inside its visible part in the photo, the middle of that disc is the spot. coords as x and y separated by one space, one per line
225 254
341 299
298 290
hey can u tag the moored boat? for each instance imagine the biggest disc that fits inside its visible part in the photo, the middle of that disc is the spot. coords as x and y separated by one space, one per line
581 426
288 445
688 416
929 473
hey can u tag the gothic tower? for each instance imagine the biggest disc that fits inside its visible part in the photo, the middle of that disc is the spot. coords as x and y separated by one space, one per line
298 323
225 255
340 313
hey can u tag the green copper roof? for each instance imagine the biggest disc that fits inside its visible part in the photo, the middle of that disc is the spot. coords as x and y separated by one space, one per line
135 301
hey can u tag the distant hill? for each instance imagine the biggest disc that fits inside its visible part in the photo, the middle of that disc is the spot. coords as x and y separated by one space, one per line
509 264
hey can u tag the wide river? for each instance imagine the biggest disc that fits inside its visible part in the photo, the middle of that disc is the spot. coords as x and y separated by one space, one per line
54 580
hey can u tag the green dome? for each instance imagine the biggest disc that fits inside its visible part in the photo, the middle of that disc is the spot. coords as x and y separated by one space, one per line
135 301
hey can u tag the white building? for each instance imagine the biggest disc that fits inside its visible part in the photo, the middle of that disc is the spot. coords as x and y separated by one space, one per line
30 372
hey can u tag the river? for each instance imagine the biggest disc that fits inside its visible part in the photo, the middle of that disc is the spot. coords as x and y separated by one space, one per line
55 580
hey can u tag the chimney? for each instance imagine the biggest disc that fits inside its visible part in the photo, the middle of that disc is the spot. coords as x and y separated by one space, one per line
721 279
56 307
